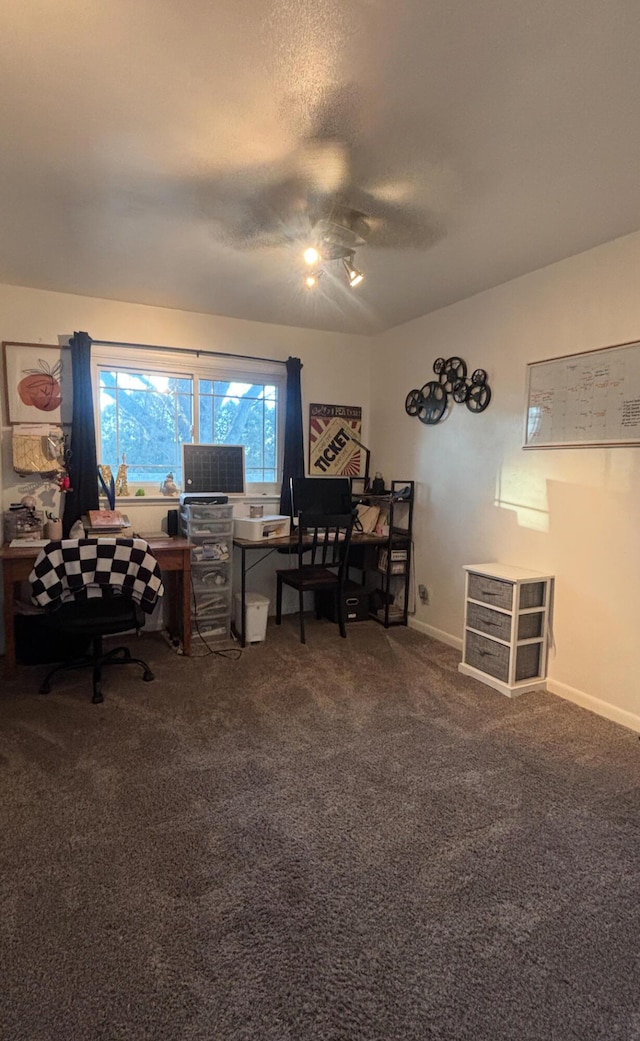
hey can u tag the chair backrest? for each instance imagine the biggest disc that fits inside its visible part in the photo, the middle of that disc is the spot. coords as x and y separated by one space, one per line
326 537
76 569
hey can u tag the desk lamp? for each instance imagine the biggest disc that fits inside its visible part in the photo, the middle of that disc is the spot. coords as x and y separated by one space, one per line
367 458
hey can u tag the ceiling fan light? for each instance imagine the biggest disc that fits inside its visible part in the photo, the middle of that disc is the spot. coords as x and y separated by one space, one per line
355 277
311 255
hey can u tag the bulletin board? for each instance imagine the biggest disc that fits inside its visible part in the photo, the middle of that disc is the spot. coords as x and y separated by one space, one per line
584 400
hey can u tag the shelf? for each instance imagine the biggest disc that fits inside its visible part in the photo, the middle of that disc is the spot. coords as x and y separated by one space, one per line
393 507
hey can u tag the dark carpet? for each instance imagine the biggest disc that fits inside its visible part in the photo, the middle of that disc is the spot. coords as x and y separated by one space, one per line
346 841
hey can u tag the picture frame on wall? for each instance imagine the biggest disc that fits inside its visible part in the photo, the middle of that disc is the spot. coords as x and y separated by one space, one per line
38 384
332 452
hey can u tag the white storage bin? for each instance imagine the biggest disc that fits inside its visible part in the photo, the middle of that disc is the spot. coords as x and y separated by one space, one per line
257 611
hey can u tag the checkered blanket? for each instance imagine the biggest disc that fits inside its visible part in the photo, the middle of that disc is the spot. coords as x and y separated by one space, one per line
75 569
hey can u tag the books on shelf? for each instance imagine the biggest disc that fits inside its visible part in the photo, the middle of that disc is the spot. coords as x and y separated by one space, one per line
397 565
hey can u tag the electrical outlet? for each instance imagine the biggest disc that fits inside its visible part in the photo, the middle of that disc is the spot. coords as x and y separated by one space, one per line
423 593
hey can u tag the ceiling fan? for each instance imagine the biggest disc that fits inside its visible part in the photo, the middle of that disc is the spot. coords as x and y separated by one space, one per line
331 196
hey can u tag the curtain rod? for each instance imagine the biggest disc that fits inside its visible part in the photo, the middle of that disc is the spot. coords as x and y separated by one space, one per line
186 350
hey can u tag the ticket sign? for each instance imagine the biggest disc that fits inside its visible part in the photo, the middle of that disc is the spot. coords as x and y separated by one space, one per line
332 453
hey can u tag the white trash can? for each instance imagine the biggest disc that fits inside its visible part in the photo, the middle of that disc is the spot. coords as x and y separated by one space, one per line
257 611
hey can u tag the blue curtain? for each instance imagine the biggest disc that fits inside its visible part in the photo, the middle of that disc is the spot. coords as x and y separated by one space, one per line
82 463
293 464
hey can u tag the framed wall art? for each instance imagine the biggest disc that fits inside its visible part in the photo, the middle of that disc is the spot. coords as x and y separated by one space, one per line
332 453
37 380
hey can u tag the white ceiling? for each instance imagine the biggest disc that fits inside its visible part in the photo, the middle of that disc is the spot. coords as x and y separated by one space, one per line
157 150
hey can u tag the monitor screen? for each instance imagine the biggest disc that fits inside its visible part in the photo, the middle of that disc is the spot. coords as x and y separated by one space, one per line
321 495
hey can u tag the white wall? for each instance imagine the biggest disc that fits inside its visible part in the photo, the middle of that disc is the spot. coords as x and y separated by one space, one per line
481 497
335 365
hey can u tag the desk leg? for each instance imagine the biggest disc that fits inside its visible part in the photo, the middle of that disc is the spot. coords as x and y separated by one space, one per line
9 626
186 604
243 595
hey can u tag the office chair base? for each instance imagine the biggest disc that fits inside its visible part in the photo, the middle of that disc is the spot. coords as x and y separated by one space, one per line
118 656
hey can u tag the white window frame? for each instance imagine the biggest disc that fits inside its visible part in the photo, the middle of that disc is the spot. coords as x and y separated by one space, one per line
186 365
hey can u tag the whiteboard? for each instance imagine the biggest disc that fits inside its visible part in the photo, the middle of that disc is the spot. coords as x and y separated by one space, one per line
582 400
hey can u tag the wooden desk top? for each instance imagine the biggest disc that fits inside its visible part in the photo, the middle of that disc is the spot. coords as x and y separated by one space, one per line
28 552
357 539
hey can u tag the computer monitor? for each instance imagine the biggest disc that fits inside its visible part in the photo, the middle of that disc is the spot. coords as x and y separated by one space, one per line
322 495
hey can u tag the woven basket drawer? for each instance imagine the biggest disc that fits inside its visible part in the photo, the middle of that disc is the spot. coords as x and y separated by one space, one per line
487 621
530 626
491 591
532 595
528 662
487 656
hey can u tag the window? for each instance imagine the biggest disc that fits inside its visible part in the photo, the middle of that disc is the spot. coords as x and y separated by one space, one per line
146 412
242 414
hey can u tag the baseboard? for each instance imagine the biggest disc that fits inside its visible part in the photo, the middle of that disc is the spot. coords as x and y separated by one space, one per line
436 634
588 701
561 690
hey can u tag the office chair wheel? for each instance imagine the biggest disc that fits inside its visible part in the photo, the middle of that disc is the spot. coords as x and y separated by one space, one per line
148 676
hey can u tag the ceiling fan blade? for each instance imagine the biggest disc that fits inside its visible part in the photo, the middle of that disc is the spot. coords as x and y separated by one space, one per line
394 226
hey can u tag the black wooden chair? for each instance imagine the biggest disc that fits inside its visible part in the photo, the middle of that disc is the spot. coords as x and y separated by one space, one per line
324 541
95 588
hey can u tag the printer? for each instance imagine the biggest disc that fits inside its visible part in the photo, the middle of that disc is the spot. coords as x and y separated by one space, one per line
255 529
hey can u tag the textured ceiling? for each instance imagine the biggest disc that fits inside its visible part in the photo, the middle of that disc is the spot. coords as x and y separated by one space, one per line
177 153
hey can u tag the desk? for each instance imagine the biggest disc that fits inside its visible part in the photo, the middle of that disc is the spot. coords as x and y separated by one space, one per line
289 543
173 556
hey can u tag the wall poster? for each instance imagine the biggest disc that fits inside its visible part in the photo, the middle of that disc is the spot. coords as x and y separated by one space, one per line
332 453
582 400
38 382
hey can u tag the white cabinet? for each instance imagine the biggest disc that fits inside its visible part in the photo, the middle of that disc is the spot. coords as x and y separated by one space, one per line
506 629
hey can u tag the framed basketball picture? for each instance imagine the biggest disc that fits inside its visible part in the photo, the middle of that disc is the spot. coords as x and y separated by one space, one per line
38 383
334 440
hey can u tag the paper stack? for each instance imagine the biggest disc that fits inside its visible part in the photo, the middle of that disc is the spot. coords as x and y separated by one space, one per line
103 523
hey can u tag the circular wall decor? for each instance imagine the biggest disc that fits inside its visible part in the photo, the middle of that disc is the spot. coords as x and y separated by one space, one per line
429 403
460 391
455 369
479 397
434 402
413 400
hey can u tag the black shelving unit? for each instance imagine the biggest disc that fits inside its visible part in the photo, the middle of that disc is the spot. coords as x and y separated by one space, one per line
397 503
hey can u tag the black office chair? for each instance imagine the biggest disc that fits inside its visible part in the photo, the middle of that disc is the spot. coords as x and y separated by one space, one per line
94 588
326 539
